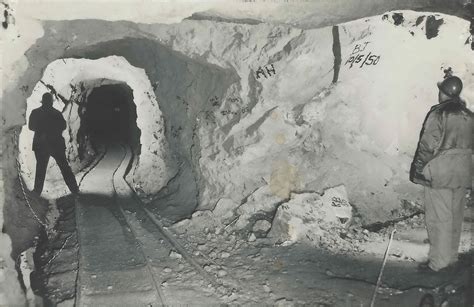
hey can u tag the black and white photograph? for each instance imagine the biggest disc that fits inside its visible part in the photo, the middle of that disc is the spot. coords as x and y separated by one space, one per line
237 153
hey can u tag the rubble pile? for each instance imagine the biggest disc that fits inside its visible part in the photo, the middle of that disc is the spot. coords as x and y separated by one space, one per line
325 221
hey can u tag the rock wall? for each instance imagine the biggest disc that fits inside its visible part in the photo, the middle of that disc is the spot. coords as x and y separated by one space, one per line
292 129
249 106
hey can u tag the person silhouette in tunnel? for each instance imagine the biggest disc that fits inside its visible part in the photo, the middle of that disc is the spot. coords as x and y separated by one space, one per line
48 125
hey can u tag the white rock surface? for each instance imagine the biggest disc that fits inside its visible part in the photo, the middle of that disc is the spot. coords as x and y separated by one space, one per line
252 237
309 134
262 201
296 134
305 217
224 209
175 255
262 226
337 199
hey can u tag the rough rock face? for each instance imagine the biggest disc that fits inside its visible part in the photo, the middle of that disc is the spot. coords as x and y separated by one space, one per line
268 114
250 106
304 217
305 133
300 217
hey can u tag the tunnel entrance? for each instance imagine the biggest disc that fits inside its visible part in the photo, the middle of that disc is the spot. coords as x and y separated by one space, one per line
110 116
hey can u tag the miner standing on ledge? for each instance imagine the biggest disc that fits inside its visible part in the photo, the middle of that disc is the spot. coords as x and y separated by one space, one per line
443 165
48 125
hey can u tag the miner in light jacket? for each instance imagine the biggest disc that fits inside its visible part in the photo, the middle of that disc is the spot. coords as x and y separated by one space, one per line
443 165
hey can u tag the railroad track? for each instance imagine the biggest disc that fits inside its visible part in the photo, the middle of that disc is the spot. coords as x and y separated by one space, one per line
126 255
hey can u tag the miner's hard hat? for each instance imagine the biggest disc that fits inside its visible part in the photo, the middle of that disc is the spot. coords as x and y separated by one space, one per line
451 86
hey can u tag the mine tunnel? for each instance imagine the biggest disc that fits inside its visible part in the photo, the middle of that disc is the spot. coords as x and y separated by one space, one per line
206 182
110 116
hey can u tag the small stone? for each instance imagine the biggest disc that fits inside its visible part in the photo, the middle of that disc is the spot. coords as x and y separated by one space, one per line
197 253
164 284
262 225
207 268
329 273
109 287
94 276
221 273
252 237
450 289
397 253
175 255
266 289
202 247
225 255
213 255
167 270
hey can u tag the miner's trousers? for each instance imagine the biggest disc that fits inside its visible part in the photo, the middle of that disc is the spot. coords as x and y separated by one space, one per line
42 159
444 210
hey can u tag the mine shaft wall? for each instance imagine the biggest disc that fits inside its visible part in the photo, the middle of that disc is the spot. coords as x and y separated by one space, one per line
232 130
186 86
183 88
54 38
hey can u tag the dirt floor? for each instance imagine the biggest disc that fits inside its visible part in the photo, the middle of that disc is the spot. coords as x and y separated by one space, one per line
304 275
206 263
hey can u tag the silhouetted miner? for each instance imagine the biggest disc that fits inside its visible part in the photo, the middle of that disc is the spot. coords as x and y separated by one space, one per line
48 125
443 164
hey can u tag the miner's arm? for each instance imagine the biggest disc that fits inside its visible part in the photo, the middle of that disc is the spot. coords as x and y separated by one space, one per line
33 121
430 139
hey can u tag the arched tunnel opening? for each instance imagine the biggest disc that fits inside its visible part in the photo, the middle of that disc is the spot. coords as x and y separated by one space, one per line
157 116
109 115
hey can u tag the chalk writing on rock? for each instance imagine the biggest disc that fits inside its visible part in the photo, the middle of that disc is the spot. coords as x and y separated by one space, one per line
234 99
215 101
360 56
339 202
244 110
267 72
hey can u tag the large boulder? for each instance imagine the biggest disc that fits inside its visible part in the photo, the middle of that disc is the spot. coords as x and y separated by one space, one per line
309 217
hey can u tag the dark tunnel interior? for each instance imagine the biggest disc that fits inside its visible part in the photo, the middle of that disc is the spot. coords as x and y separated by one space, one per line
110 116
